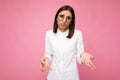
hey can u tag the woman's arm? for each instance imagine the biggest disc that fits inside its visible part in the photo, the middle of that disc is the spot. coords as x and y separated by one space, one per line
45 61
83 57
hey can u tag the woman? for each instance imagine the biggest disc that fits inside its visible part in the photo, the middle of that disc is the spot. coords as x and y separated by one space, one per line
64 45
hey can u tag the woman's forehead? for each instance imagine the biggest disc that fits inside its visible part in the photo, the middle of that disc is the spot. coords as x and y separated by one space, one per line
66 12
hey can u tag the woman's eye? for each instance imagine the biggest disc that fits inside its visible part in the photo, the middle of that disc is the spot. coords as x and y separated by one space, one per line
69 18
61 16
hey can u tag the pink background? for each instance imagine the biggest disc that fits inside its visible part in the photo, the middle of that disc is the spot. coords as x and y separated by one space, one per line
23 24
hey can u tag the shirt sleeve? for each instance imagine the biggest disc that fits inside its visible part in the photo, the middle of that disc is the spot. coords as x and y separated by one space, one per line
48 47
79 47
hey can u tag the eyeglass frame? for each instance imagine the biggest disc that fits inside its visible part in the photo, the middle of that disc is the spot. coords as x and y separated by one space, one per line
61 17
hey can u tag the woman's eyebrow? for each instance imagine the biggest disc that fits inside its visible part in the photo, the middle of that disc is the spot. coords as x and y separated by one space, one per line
64 15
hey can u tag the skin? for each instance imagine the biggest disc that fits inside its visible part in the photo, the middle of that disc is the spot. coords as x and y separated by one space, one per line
63 24
87 59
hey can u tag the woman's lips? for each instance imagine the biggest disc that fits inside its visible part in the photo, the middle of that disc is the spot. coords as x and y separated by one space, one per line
63 25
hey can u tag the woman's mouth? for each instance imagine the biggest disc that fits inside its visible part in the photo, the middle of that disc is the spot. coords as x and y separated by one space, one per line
63 25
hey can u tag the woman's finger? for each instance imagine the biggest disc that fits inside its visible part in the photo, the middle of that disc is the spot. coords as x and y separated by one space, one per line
92 65
87 64
41 67
42 64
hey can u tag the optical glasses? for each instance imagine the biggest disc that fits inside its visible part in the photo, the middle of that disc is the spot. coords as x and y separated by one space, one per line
61 17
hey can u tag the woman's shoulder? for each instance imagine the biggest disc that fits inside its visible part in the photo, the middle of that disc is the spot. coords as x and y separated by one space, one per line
78 31
49 32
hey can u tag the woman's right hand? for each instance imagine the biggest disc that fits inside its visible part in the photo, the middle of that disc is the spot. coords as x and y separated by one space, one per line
44 64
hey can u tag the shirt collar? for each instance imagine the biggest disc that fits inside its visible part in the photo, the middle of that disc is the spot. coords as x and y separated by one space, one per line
65 33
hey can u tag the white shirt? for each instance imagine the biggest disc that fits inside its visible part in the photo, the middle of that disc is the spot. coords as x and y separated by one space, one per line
63 52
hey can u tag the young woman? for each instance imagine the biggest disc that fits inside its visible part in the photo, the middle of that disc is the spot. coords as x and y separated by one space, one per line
64 45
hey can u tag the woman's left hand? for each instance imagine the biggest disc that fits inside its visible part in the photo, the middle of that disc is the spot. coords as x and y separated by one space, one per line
87 60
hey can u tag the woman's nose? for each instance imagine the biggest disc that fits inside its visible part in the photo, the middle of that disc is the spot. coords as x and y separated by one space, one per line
64 20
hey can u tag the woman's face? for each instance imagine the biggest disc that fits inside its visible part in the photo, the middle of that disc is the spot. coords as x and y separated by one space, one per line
64 19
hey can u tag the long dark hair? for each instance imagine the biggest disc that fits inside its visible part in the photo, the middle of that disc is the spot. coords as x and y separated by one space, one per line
71 26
